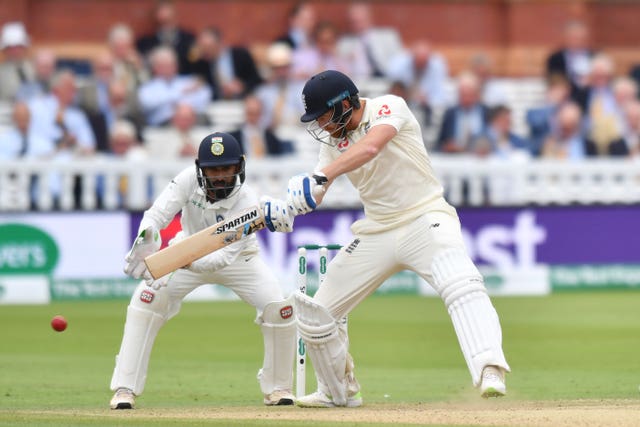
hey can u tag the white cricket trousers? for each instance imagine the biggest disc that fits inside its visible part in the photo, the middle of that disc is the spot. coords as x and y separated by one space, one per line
361 267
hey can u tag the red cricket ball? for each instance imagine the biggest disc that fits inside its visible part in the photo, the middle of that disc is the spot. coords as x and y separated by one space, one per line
59 323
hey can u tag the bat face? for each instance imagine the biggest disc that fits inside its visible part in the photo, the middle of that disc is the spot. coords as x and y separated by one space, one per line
204 242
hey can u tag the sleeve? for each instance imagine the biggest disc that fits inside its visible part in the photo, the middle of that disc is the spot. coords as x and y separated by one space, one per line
390 110
169 202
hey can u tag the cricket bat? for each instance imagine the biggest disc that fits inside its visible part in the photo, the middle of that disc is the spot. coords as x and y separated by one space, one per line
208 240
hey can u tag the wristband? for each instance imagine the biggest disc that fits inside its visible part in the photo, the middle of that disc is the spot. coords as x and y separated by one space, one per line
320 178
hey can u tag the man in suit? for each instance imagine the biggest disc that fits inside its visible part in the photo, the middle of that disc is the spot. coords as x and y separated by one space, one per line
168 33
256 140
368 47
573 59
231 72
466 120
301 22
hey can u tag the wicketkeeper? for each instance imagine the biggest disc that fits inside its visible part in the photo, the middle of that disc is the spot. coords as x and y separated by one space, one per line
205 194
408 225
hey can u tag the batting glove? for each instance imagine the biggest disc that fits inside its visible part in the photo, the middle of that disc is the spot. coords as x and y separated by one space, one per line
277 214
303 189
147 243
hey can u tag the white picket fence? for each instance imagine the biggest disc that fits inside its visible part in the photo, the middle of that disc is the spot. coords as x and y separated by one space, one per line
467 181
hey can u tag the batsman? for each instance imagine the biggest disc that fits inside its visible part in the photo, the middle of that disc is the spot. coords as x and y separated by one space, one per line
205 194
408 225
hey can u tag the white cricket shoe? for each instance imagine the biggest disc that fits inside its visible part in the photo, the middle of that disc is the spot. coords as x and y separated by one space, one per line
493 384
323 400
279 398
123 399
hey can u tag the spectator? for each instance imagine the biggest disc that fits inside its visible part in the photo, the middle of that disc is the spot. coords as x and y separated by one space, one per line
160 95
281 92
369 47
44 63
55 117
625 91
128 64
567 141
632 129
16 67
464 121
230 71
123 143
93 97
541 120
321 54
604 121
425 74
123 146
256 140
124 105
492 92
498 141
20 140
301 22
168 33
180 140
573 59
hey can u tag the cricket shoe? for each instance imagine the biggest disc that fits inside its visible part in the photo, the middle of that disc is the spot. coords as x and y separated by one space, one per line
493 384
123 399
320 399
279 398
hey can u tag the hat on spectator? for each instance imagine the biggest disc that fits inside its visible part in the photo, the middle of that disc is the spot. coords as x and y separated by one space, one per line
279 55
14 34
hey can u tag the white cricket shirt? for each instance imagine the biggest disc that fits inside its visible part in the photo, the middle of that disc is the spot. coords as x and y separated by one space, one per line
398 185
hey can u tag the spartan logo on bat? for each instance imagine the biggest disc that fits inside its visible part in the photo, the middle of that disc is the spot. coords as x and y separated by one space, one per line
234 223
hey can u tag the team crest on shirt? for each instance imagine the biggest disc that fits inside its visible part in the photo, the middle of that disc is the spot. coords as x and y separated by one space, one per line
343 145
384 110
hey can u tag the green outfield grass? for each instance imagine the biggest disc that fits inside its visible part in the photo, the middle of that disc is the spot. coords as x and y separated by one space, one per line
562 347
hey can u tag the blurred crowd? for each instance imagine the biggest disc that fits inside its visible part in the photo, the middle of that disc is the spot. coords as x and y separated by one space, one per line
149 96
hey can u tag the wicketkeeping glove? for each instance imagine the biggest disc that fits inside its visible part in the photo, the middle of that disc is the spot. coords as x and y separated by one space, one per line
277 214
301 192
147 242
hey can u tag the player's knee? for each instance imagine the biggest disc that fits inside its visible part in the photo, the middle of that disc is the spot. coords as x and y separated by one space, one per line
455 275
147 298
314 321
277 313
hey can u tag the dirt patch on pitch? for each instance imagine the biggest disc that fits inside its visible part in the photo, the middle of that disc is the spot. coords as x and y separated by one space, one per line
618 413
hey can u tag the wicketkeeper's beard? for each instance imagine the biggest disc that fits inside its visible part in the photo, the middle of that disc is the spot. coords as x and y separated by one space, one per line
219 189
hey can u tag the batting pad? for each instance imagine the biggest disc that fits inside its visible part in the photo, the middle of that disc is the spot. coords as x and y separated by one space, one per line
140 331
278 324
326 348
475 321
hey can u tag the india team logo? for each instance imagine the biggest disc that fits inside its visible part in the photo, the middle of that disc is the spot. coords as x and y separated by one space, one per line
216 146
